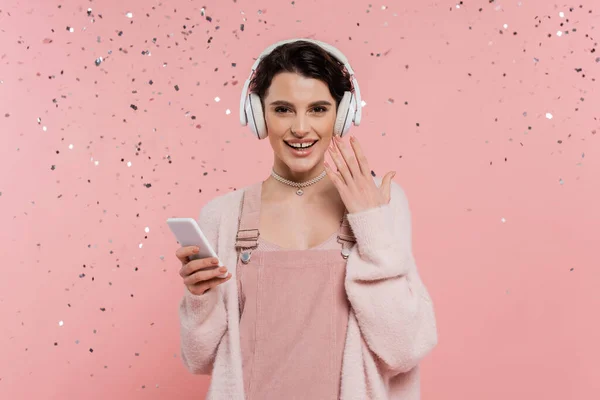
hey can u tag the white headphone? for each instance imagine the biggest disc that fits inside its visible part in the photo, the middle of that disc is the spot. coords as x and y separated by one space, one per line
348 111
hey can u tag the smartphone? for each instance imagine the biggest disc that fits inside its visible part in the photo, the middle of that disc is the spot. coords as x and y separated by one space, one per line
188 233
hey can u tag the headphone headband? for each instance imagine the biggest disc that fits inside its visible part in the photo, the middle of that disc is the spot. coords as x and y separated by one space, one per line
327 47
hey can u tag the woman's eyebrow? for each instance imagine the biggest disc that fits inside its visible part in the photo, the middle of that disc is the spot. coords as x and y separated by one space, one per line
287 103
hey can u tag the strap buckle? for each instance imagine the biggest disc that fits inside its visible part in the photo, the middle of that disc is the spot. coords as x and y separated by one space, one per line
246 253
247 237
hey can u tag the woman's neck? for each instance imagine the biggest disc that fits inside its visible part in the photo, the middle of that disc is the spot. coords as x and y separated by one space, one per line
323 190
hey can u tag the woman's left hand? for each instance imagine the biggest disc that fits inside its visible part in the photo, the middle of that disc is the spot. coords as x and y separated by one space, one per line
354 181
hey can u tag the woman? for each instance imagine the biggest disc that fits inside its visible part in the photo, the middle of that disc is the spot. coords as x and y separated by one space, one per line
325 301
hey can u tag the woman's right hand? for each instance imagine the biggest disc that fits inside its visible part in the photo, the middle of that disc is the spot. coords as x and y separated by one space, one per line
199 275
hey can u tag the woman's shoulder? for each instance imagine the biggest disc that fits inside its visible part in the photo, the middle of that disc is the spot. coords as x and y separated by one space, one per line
225 201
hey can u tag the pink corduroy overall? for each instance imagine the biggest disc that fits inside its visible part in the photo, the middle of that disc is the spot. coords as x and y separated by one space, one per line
293 312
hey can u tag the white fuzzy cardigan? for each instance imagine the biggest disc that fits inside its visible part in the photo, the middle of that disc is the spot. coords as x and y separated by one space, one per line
391 325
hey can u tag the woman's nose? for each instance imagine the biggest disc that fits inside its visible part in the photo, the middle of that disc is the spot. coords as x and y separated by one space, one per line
300 125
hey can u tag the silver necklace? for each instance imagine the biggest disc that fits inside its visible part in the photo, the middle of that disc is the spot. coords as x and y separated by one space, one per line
300 185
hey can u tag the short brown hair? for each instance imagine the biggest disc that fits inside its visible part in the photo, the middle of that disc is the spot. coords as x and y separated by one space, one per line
304 58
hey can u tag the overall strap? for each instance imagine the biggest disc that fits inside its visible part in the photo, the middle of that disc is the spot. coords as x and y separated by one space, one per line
346 235
247 234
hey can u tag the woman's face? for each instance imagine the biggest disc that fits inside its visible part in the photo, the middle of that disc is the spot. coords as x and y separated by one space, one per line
306 107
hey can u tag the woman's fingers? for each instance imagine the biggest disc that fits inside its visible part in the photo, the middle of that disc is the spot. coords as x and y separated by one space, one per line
183 253
203 275
204 286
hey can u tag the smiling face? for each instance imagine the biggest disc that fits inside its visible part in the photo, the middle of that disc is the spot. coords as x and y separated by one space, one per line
305 107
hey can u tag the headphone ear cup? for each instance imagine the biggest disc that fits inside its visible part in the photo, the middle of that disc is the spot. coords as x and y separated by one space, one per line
256 117
345 115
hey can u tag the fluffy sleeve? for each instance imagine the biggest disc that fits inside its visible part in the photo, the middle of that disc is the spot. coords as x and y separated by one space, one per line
392 306
203 318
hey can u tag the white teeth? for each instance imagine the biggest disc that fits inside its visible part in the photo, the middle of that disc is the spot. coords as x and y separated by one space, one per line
301 145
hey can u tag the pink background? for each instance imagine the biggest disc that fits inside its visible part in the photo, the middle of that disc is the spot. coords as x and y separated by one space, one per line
504 198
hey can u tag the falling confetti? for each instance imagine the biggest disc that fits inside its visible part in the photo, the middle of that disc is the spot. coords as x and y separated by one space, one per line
155 96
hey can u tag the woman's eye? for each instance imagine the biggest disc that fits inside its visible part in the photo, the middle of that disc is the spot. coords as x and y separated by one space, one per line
318 110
